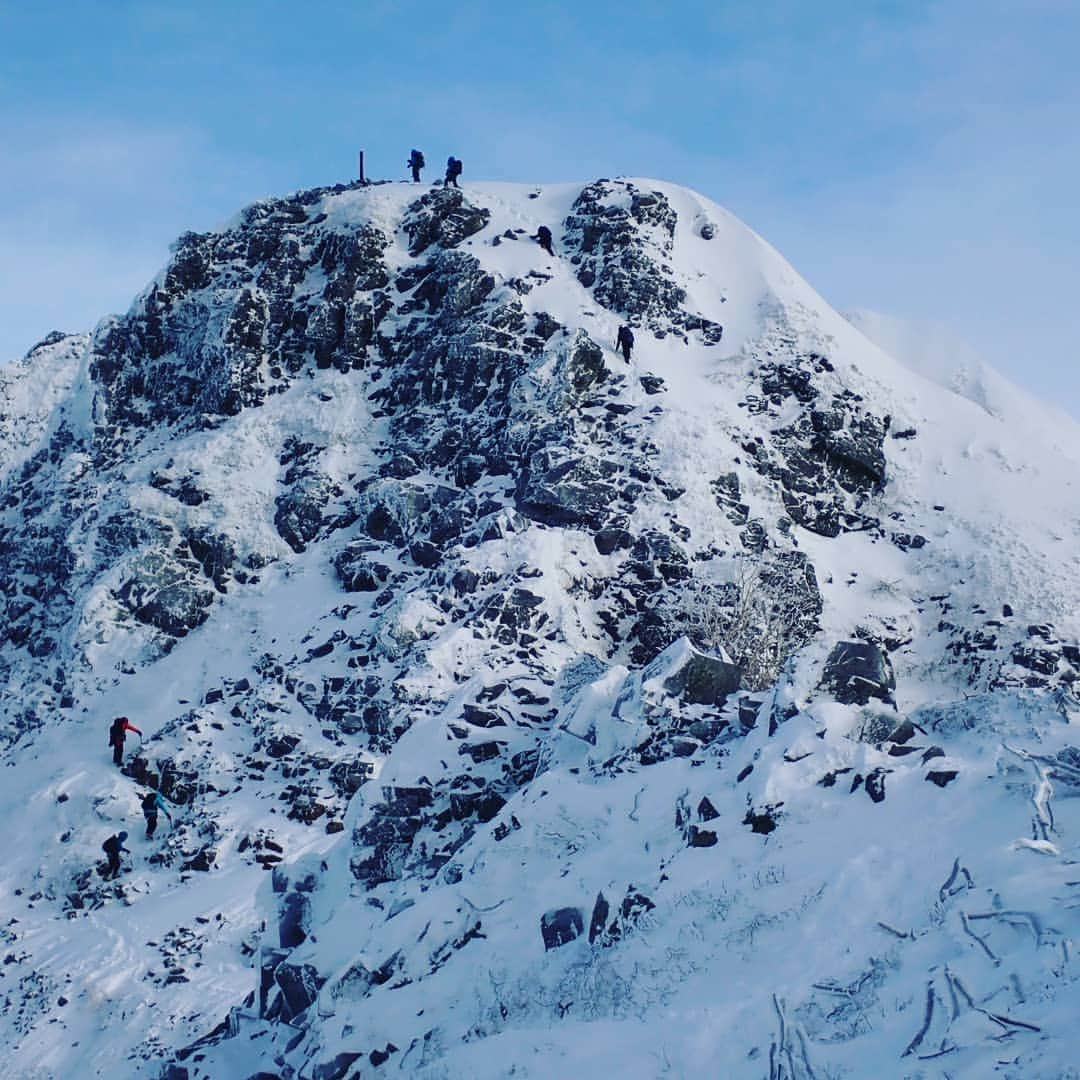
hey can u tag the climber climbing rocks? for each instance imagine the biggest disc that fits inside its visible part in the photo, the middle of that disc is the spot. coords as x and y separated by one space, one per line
112 848
153 802
453 171
625 341
543 238
117 734
416 163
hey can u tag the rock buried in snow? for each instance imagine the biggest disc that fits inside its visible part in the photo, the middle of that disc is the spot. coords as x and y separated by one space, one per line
561 926
765 821
857 671
941 777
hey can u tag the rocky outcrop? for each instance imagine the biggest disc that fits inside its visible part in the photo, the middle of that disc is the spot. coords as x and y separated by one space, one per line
857 671
184 353
443 217
621 238
559 488
693 676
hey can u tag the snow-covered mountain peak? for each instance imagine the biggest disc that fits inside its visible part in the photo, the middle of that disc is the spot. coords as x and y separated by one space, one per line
522 708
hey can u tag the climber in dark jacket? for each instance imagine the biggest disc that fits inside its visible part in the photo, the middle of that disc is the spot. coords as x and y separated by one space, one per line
112 848
117 734
543 238
151 804
416 163
453 171
625 341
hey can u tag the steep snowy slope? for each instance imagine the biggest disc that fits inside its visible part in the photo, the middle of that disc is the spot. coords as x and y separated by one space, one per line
524 710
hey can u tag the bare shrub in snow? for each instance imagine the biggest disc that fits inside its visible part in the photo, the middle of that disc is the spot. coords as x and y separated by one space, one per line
759 618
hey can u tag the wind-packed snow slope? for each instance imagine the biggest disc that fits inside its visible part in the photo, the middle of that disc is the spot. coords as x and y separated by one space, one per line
523 711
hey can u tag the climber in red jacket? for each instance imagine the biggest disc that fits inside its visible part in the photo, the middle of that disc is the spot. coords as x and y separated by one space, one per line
117 734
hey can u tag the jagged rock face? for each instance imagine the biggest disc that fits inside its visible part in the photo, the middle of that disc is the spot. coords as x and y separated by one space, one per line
534 654
231 321
622 238
830 459
442 217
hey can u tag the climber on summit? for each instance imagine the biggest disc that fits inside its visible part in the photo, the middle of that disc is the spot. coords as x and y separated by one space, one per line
625 341
543 238
416 163
153 802
453 171
112 848
117 734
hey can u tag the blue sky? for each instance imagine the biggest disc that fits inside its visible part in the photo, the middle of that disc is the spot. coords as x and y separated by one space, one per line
917 158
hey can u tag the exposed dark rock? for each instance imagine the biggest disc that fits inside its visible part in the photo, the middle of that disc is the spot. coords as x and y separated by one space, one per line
400 466
294 920
561 926
763 822
357 571
599 918
424 553
941 777
904 732
694 676
586 365
165 594
465 581
560 490
337 1068
443 216
857 671
612 539
300 985
875 785
702 837
655 554
302 510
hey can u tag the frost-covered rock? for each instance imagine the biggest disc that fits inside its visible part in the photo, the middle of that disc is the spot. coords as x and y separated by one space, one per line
857 671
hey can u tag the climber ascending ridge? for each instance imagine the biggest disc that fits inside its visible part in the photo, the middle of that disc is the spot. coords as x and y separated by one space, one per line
117 734
625 341
153 802
112 848
416 163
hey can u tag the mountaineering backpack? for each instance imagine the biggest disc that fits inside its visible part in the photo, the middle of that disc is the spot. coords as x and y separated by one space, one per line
420 162
149 803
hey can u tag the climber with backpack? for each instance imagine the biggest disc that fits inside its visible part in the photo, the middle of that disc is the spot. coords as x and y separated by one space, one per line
416 163
112 848
453 171
153 802
625 341
117 734
543 238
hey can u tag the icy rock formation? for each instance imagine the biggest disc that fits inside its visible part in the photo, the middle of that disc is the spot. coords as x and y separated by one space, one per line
519 708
